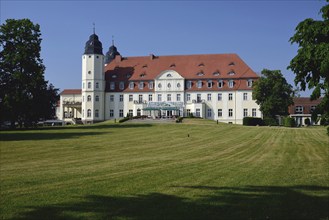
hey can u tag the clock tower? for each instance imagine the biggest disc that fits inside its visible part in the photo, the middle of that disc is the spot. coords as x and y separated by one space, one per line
93 82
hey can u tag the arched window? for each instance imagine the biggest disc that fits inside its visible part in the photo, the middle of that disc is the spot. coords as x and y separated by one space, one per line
89 98
131 85
189 84
88 113
199 84
231 83
121 85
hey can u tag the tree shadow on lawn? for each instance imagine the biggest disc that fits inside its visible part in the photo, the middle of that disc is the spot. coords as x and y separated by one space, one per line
21 136
51 134
250 202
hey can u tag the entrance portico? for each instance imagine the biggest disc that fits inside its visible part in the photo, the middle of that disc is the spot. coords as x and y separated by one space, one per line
165 109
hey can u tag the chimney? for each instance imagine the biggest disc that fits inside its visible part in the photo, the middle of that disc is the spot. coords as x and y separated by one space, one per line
118 58
152 57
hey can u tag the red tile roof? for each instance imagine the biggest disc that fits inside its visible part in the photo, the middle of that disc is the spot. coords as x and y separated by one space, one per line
71 92
147 68
305 102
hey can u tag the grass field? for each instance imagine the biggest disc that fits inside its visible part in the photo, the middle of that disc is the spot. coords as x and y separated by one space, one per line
155 171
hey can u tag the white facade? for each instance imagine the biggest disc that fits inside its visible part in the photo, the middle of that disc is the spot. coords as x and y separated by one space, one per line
93 87
160 87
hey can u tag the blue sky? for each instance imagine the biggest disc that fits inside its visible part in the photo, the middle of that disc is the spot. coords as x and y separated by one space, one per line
258 31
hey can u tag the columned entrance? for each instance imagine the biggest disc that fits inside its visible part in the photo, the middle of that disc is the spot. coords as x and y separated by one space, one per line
165 109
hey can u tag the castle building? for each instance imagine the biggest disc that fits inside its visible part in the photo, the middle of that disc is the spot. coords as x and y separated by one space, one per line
212 86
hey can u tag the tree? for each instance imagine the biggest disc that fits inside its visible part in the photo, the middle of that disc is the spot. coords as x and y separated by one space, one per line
272 93
25 96
311 64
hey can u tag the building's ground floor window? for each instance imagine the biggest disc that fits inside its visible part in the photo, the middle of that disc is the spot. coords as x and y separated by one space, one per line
254 113
96 113
188 112
89 113
130 112
209 113
138 112
121 113
220 113
245 112
111 113
197 112
230 112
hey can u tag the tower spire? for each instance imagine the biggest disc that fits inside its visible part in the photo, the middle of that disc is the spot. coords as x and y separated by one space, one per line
94 27
112 40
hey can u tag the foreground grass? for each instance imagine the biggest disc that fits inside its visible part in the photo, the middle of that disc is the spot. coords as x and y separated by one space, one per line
155 171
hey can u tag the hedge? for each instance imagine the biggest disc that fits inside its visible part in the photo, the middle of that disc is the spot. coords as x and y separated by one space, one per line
289 122
251 121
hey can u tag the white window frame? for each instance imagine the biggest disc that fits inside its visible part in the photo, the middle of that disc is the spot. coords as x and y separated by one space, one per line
220 83
245 96
220 112
178 97
230 96
231 83
112 85
209 97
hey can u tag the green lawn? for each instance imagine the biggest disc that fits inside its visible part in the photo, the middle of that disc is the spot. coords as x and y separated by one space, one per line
155 171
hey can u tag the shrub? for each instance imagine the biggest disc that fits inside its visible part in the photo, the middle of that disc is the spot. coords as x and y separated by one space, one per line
251 121
324 121
289 122
271 122
179 120
123 119
307 121
328 130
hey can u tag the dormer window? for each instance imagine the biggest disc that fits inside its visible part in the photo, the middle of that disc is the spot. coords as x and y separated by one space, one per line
231 83
189 84
114 76
112 85
150 85
142 75
201 64
121 85
299 109
144 66
200 74
169 75
131 85
216 73
199 84
128 75
220 83
172 65
231 73
141 85
249 83
232 64
209 84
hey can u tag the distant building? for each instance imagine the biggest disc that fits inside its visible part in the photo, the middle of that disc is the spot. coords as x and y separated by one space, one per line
212 86
302 109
